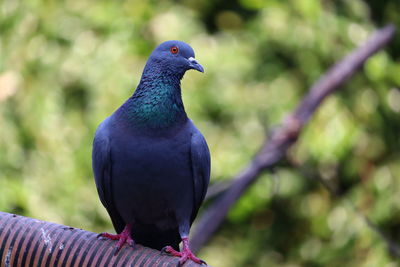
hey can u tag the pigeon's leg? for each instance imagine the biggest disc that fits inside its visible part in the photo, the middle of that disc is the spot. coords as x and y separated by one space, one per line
185 254
123 237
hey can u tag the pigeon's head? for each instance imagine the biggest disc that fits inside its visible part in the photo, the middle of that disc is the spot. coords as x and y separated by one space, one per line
174 58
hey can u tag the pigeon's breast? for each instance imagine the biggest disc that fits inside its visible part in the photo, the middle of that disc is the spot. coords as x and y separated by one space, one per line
151 176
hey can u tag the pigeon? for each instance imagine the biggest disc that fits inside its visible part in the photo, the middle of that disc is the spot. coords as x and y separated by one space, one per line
150 162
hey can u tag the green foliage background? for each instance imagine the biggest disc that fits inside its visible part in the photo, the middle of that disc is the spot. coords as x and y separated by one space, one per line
66 65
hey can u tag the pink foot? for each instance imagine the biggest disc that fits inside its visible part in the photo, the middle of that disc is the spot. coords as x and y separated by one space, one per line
185 254
123 237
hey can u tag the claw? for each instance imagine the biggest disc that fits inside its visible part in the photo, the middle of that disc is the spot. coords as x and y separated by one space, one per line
163 251
130 242
116 250
185 254
203 262
123 237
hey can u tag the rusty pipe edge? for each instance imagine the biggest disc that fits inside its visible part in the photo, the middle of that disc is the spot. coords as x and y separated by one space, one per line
29 242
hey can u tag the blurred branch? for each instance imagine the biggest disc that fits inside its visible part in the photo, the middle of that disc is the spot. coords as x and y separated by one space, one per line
274 149
29 242
217 189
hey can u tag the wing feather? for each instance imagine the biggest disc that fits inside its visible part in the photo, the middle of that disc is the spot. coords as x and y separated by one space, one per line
201 166
102 168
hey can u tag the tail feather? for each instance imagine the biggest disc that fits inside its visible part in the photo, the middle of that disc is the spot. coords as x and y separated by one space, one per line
151 236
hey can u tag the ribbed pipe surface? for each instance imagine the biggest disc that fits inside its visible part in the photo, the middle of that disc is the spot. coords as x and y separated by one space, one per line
30 242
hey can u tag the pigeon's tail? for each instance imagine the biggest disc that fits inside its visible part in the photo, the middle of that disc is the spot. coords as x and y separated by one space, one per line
151 236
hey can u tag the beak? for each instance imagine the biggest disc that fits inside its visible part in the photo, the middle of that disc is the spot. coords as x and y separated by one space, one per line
193 64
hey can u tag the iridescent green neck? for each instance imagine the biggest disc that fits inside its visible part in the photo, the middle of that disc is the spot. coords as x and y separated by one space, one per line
156 103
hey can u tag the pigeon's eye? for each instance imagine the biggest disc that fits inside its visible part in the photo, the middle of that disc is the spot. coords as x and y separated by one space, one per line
174 50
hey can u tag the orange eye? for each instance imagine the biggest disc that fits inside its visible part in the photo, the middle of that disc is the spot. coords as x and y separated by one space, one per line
174 50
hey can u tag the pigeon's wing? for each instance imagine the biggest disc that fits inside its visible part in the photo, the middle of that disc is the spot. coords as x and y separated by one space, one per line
102 168
200 158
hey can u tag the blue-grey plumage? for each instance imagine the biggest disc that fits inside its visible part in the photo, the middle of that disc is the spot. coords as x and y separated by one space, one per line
151 164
